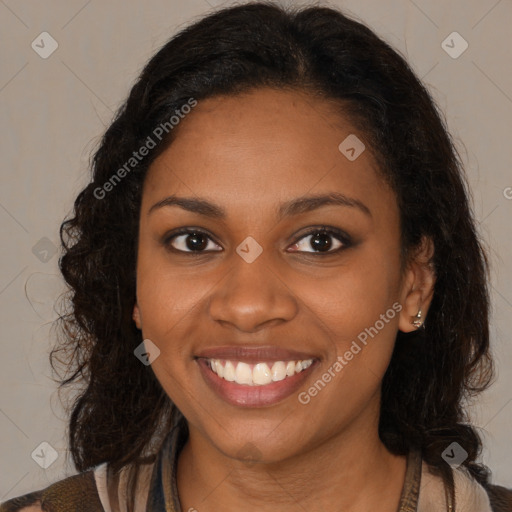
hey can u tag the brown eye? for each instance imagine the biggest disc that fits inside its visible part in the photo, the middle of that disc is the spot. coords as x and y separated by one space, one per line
190 241
320 240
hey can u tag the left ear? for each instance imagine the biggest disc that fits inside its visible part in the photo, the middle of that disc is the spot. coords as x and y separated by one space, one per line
136 316
418 286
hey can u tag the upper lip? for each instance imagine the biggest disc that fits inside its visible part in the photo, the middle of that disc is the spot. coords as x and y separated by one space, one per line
254 354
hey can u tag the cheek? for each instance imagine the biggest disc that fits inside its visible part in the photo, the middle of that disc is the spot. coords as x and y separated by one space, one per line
354 296
167 297
358 309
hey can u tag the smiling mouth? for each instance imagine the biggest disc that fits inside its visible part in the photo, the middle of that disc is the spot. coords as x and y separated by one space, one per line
259 374
258 382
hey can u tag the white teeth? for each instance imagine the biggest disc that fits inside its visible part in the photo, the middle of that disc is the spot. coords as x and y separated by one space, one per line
278 371
258 374
306 364
290 368
219 369
229 371
261 374
243 374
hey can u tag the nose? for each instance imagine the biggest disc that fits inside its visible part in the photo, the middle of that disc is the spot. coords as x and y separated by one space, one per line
252 296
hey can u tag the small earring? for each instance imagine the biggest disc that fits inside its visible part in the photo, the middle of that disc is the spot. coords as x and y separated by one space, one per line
418 322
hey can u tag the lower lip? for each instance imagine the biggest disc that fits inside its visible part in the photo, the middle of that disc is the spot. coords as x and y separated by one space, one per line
253 396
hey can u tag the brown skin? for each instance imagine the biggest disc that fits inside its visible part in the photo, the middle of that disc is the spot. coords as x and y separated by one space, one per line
248 154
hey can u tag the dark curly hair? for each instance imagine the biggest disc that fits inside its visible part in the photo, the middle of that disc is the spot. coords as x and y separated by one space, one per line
122 408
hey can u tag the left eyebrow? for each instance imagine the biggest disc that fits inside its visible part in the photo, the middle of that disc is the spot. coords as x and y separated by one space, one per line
309 203
293 207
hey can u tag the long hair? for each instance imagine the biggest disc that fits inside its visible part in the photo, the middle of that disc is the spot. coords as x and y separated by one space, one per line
122 408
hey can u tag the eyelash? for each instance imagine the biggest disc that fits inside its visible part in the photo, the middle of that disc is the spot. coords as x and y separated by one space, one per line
319 230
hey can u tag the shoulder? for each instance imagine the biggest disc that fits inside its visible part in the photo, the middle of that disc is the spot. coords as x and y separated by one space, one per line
469 494
67 495
500 498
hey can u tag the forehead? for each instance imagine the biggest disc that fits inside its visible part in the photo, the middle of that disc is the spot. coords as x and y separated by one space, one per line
264 146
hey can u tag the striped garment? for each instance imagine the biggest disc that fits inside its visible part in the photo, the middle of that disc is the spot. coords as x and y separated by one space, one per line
157 489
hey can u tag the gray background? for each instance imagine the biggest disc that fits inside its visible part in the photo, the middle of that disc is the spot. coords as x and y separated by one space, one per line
54 110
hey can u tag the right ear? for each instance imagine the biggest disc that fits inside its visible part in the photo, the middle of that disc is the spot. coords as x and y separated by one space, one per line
136 316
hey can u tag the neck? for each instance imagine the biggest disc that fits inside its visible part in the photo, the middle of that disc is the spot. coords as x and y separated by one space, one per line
351 468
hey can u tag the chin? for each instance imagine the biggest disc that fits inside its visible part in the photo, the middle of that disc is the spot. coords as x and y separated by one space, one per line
258 446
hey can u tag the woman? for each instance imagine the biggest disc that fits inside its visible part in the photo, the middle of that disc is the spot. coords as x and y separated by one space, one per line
279 295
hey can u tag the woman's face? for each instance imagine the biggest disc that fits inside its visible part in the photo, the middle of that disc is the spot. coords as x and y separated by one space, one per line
255 291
